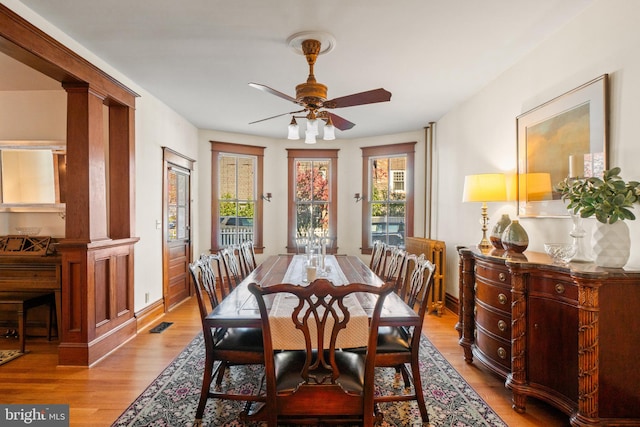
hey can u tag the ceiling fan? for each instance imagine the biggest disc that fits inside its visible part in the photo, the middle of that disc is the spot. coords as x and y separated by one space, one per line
312 96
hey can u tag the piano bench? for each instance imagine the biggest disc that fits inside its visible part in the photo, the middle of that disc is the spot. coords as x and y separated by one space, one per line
20 303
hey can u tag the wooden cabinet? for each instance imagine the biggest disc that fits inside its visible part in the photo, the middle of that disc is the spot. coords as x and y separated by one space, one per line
567 335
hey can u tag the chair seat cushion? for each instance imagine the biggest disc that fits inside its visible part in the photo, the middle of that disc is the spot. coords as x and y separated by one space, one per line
289 364
391 339
239 339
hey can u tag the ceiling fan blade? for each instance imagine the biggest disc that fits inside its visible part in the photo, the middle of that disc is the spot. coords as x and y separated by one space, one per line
273 92
369 97
279 115
340 123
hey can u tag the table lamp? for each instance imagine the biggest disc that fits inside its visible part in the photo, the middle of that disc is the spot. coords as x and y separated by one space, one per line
486 187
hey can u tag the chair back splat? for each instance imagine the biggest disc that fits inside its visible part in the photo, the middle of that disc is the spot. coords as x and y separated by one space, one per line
378 257
247 257
316 381
232 270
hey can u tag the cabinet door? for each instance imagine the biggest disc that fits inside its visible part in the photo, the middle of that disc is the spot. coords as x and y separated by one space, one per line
552 342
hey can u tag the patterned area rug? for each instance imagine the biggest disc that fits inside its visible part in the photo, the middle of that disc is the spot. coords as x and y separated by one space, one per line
171 399
9 355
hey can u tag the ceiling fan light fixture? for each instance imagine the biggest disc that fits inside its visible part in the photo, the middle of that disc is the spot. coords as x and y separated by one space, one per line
310 137
329 130
312 125
293 129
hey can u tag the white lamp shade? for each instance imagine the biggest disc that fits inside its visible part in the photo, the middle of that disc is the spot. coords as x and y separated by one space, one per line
486 187
312 125
329 132
293 132
310 137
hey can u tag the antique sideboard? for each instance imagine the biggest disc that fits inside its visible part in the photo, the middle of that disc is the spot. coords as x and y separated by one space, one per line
567 335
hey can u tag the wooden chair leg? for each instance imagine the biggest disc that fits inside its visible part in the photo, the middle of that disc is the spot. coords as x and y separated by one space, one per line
223 366
417 386
22 326
204 393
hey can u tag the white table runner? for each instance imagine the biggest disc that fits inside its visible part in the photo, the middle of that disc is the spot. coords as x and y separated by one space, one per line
284 336
297 273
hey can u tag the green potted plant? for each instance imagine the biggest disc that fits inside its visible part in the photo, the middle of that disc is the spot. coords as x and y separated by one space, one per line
609 199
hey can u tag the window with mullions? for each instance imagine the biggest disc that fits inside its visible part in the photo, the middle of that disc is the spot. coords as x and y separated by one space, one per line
312 189
237 198
387 211
312 197
388 199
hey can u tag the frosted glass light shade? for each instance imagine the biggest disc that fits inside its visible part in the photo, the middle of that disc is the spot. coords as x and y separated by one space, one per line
329 133
293 129
312 125
310 137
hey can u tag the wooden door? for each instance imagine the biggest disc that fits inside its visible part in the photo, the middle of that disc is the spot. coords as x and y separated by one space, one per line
177 229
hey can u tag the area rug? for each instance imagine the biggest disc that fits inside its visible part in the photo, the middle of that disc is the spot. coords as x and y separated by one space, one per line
172 398
9 355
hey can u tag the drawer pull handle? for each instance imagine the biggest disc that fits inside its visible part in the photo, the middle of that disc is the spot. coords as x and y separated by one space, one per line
502 299
502 277
502 325
475 310
559 288
502 353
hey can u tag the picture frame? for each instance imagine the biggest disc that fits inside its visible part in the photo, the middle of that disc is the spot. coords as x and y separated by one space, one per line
566 136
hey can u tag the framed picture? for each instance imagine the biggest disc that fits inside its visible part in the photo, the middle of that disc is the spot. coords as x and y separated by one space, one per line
566 136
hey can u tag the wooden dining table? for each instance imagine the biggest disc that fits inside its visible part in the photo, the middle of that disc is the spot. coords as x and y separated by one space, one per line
240 309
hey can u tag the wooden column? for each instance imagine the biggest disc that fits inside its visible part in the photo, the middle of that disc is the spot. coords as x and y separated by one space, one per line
97 253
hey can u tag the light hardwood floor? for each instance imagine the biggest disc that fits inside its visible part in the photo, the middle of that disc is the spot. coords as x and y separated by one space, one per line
98 395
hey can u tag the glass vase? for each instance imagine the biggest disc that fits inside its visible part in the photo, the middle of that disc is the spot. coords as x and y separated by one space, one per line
578 233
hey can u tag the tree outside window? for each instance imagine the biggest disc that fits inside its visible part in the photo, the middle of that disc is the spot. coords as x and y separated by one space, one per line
312 189
312 197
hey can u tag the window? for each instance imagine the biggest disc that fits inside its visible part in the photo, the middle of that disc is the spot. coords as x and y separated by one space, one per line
312 190
388 185
177 203
236 191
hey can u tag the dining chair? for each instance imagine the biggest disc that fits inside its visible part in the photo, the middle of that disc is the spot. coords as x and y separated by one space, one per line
399 345
226 346
378 253
396 268
231 266
247 257
319 383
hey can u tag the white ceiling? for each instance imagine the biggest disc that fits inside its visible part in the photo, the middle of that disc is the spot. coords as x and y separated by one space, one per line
198 56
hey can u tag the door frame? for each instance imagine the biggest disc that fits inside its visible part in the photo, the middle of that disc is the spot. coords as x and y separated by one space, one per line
169 158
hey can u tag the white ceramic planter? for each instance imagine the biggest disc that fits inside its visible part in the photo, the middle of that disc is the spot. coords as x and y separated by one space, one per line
611 244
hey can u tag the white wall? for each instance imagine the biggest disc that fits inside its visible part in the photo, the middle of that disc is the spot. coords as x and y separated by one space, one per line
480 135
275 182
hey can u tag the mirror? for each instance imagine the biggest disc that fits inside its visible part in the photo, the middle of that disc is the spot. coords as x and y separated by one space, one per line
32 176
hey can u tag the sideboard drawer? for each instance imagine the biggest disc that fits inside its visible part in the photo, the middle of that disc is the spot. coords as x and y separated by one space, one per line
493 274
494 296
495 349
551 287
496 323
